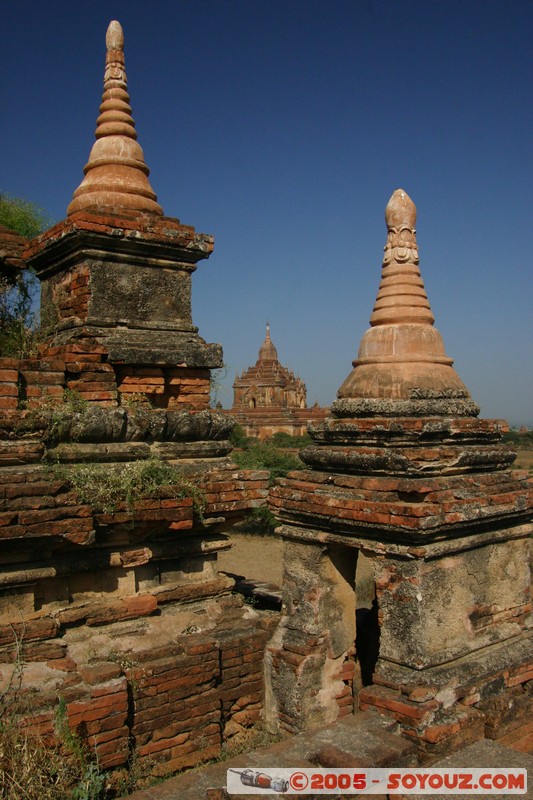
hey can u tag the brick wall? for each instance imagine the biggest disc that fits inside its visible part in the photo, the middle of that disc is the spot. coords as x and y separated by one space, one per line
103 606
82 368
29 382
175 388
169 707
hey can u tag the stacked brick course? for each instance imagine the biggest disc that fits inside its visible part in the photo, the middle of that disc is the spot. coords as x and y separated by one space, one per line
27 383
68 566
177 388
12 246
168 707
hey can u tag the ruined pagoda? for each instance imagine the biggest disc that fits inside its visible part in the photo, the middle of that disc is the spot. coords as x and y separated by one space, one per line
404 472
269 398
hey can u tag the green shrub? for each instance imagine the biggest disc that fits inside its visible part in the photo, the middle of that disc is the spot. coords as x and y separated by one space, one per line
238 437
264 455
282 439
22 216
260 520
523 439
19 336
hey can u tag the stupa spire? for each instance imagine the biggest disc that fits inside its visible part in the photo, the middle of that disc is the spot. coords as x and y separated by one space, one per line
267 351
116 175
401 295
402 366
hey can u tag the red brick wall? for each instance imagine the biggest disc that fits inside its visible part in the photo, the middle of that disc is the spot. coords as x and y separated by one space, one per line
175 388
29 382
171 707
83 369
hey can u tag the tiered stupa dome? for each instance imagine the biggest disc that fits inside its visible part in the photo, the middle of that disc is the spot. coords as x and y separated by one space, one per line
402 366
116 175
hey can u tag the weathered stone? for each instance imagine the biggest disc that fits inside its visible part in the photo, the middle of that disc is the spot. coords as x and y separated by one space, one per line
93 425
208 425
480 755
106 451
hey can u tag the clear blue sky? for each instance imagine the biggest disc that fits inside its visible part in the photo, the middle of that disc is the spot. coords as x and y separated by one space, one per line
282 127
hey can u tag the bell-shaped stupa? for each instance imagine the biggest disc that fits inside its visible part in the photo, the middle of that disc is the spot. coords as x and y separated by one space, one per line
116 175
402 366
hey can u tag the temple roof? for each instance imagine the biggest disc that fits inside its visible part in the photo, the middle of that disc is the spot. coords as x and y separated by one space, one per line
269 372
116 175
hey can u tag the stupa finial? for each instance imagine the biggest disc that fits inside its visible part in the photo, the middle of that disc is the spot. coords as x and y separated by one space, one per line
401 296
400 210
116 175
114 38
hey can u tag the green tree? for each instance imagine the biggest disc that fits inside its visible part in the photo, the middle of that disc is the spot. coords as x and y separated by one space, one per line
18 335
22 216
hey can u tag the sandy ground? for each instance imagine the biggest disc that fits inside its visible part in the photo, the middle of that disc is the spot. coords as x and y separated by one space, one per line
261 558
254 556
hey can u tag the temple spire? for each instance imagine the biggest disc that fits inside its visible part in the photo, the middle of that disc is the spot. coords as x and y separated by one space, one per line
402 366
116 175
267 351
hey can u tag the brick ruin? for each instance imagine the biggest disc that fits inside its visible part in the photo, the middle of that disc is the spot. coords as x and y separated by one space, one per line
405 473
119 610
116 607
268 398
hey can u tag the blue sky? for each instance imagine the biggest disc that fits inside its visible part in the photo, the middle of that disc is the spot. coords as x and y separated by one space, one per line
283 128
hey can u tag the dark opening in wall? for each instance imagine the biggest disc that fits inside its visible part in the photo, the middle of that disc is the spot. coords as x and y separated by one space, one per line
22 391
366 619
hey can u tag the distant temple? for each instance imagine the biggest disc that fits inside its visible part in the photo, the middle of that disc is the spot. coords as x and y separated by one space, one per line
269 398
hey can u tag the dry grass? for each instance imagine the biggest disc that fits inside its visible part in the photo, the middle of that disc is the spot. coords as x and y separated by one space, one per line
30 769
38 767
524 460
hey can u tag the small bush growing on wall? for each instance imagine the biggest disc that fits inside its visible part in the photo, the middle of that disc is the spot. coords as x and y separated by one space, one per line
33 767
260 520
281 439
110 486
